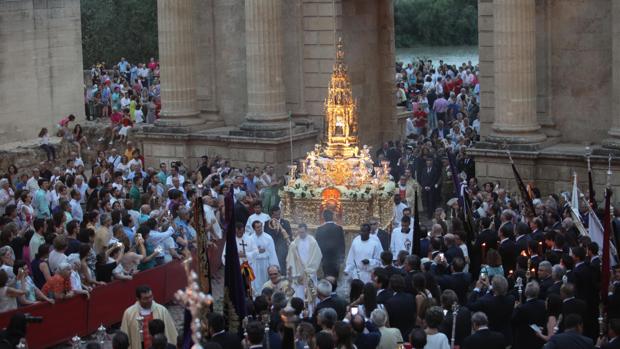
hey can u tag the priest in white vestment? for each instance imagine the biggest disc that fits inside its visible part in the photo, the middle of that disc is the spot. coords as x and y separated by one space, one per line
210 209
364 255
245 245
402 237
262 258
258 215
138 316
303 260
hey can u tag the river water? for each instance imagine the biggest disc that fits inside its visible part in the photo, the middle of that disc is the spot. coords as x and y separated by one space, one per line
450 54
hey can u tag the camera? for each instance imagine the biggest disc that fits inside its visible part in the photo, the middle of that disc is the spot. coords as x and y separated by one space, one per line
33 319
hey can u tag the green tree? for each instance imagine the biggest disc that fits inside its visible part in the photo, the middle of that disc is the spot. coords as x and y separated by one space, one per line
435 22
112 29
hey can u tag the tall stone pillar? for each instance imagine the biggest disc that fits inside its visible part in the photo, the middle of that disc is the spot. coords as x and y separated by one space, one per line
614 133
266 114
177 54
515 73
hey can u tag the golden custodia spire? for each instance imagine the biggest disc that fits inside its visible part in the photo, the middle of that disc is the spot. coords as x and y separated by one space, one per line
340 112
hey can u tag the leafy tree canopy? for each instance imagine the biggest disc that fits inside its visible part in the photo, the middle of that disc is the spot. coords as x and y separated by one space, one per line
435 22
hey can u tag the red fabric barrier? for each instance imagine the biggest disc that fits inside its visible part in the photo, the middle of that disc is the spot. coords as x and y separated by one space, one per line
175 280
80 316
107 303
155 278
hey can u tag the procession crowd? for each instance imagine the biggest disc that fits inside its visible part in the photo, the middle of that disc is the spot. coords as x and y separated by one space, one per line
480 272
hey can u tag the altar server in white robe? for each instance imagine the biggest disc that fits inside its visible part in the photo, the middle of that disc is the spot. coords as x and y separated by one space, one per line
364 255
258 215
263 257
402 237
245 245
210 208
303 260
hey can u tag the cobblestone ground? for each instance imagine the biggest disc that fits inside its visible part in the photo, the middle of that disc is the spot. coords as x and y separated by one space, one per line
176 311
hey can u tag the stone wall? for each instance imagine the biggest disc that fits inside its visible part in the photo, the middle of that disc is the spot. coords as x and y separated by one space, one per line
26 154
581 69
40 65
551 170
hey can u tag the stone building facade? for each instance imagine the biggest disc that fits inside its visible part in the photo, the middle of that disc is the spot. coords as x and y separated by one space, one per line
548 90
254 62
40 65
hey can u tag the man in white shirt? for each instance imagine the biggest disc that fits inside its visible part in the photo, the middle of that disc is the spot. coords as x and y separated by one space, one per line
81 187
33 182
114 159
174 172
76 208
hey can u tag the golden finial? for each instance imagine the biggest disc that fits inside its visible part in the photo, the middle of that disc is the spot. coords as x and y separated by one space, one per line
340 50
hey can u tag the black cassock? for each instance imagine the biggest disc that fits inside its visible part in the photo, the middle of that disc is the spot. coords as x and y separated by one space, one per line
330 237
279 241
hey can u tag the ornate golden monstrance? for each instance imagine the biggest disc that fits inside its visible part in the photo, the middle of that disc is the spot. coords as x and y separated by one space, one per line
338 174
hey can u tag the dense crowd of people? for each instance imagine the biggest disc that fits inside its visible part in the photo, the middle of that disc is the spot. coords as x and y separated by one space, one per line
488 277
125 95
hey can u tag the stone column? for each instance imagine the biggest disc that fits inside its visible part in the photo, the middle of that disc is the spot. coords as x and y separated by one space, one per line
515 73
266 114
614 133
177 54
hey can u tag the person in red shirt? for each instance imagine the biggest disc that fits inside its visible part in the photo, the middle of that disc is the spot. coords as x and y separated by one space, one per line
59 286
419 120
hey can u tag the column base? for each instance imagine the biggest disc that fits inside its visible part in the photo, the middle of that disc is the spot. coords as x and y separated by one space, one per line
613 141
520 134
265 129
517 138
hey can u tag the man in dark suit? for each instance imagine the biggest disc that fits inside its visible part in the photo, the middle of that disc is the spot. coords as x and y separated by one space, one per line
459 280
329 300
557 274
497 305
532 311
401 307
487 235
467 165
571 337
570 304
522 237
544 278
507 248
255 333
538 233
614 335
242 209
218 334
382 281
463 318
330 237
487 239
428 178
614 299
411 267
386 264
281 232
585 289
483 338
381 234
367 335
